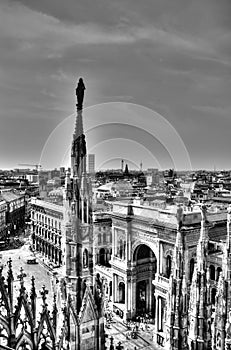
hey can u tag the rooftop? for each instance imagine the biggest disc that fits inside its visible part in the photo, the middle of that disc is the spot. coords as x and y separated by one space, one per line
9 196
47 205
167 216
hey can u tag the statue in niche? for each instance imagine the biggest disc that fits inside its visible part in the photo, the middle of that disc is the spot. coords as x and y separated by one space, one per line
73 208
80 94
83 288
98 290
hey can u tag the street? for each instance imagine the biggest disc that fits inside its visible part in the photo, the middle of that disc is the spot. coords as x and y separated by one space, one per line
19 258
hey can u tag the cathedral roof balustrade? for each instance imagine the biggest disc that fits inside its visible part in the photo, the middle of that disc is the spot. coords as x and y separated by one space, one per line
103 270
161 282
118 263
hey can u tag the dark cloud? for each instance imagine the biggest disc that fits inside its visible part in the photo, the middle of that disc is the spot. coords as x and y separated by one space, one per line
172 56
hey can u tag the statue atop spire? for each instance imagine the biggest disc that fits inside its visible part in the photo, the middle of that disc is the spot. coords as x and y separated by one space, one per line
80 94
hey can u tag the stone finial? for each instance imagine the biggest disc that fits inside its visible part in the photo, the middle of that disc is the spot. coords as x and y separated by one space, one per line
54 312
203 209
111 343
179 216
43 293
33 291
229 213
10 271
21 279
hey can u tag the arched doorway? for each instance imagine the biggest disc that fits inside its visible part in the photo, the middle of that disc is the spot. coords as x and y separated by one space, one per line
144 261
102 256
121 292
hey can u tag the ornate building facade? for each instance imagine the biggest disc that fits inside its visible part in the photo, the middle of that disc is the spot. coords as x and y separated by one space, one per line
15 213
169 264
46 232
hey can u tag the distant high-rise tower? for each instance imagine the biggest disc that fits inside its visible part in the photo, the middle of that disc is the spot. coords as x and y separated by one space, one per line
122 165
91 163
141 166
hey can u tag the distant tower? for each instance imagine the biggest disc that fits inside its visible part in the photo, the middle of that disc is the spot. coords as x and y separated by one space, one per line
126 172
122 165
141 166
91 163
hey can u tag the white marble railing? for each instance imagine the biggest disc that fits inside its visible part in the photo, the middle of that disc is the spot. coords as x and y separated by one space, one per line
161 279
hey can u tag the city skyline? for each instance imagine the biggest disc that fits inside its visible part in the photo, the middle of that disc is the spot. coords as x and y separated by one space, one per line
169 62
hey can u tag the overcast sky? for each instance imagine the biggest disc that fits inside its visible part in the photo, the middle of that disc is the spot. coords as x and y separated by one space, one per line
170 56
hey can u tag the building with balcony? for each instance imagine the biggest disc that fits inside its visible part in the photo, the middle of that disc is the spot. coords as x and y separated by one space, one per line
3 225
46 229
102 249
15 210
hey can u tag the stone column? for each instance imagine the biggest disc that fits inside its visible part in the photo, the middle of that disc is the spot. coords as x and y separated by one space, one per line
114 288
82 212
160 259
160 314
127 306
133 297
157 316
56 258
149 295
87 211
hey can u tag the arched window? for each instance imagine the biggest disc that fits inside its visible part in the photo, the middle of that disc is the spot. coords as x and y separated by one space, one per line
218 342
213 296
99 238
110 288
85 258
191 269
104 237
102 256
168 266
121 249
124 250
212 272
